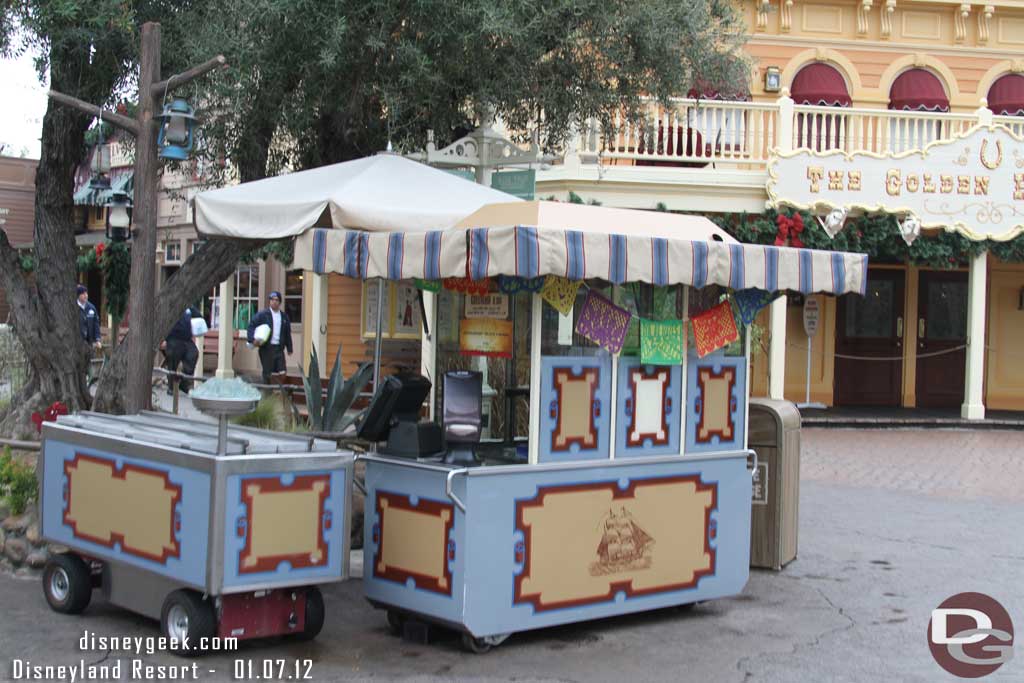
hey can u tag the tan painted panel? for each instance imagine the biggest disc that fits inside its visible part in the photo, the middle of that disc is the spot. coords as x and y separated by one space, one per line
285 523
583 544
133 507
921 25
1010 30
414 542
822 19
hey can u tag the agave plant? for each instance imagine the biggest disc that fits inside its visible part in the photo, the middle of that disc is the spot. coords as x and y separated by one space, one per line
330 415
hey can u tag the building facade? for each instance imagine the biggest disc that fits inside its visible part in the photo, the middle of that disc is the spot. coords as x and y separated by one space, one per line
872 76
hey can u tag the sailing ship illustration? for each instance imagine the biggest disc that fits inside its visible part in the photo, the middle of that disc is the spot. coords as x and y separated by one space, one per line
624 545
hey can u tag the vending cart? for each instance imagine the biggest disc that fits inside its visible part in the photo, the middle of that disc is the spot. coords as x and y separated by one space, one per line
215 530
611 484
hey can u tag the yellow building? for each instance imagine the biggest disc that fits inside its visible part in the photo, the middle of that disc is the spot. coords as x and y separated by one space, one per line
878 76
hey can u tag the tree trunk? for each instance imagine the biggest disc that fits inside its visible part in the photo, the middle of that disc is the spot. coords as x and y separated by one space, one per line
212 263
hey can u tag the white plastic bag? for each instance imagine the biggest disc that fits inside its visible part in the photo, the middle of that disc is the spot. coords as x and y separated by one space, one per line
199 327
261 335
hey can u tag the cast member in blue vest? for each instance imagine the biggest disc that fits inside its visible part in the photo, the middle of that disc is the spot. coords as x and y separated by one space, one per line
181 349
88 319
272 352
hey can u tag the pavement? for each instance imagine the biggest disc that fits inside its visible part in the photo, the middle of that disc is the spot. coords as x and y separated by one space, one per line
891 524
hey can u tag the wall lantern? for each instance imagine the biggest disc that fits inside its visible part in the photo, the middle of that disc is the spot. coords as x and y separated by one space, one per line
772 79
119 217
176 130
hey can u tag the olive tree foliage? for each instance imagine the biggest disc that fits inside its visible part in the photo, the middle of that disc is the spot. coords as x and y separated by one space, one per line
314 82
333 80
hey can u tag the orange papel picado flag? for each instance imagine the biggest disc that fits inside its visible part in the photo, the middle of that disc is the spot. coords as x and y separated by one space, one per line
714 328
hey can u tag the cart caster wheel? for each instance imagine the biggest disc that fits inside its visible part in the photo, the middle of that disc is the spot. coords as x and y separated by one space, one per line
477 646
67 583
314 614
187 619
396 622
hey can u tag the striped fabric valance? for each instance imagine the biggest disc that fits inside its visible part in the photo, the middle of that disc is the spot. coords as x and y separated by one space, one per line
528 252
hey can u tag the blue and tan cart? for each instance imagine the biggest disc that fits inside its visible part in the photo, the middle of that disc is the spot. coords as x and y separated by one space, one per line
615 486
215 534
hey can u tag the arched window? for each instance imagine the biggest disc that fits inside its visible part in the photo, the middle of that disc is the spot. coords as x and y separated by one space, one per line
1006 96
921 91
819 84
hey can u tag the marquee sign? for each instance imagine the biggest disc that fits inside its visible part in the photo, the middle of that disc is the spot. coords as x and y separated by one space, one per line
972 183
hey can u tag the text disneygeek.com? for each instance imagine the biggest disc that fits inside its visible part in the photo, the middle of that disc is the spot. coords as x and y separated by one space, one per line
111 668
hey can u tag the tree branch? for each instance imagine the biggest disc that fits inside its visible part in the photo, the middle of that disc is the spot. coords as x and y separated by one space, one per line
123 122
159 89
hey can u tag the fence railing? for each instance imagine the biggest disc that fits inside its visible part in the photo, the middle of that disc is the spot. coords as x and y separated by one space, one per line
697 133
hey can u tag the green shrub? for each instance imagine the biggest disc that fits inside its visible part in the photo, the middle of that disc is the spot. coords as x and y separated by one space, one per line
18 485
269 414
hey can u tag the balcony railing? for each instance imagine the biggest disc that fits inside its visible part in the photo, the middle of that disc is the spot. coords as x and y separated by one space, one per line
741 135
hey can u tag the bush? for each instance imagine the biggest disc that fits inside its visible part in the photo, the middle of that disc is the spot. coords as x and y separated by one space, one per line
18 485
269 414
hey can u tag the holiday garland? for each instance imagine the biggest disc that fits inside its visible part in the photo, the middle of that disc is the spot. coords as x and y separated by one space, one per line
876 236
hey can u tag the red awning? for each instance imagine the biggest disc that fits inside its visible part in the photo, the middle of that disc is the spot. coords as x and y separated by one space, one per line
820 84
1006 96
706 91
918 90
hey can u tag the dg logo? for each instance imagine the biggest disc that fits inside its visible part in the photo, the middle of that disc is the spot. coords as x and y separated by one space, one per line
970 635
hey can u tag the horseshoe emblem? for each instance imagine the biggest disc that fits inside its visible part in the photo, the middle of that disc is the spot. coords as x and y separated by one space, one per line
999 155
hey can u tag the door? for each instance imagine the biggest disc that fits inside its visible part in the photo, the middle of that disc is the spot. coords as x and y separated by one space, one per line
869 327
941 328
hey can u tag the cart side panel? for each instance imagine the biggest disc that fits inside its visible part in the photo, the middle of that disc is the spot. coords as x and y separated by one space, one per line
716 402
413 542
648 402
145 513
286 528
575 399
556 546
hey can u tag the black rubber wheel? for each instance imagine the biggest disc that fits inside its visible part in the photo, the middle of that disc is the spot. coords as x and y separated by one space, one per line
314 614
475 645
67 583
396 622
187 619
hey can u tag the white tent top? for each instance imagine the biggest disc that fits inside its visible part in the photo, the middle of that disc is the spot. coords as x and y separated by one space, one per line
379 193
596 219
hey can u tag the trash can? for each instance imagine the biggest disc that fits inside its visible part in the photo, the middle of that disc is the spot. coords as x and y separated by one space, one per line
774 430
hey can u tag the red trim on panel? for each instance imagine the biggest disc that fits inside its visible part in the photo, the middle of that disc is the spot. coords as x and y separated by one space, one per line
726 372
652 375
427 507
626 586
271 485
174 551
591 436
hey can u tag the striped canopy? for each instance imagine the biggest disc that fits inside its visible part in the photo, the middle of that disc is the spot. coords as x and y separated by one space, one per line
526 251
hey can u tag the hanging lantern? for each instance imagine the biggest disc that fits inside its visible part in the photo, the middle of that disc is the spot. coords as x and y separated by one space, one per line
119 217
176 130
100 166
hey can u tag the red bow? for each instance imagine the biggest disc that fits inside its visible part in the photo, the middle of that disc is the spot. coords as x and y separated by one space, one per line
57 408
789 231
99 250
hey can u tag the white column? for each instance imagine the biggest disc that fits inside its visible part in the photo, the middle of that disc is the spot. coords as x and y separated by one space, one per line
536 316
226 330
974 406
317 326
777 350
777 342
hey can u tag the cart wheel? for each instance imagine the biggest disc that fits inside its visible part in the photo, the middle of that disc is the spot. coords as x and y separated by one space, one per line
188 619
477 646
67 583
396 622
314 614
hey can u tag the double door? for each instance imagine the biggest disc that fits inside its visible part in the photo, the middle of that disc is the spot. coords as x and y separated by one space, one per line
871 331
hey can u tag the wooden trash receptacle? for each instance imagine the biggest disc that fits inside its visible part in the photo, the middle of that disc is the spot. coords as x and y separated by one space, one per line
775 437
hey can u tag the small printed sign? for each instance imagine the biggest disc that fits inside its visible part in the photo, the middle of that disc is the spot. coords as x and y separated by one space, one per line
483 337
812 314
760 484
487 306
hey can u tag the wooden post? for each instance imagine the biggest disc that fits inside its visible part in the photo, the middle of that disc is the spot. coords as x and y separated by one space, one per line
141 295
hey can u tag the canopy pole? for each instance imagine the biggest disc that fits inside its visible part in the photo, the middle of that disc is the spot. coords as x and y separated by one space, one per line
377 340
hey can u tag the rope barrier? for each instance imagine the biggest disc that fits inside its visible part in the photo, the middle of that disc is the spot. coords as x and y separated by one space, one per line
846 356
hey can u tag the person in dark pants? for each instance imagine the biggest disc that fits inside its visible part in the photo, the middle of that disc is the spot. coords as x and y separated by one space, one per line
88 319
181 350
272 352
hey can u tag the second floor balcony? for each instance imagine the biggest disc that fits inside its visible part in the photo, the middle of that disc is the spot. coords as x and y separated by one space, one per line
712 155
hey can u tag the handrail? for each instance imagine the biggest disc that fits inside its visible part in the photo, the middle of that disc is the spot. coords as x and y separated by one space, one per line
450 492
